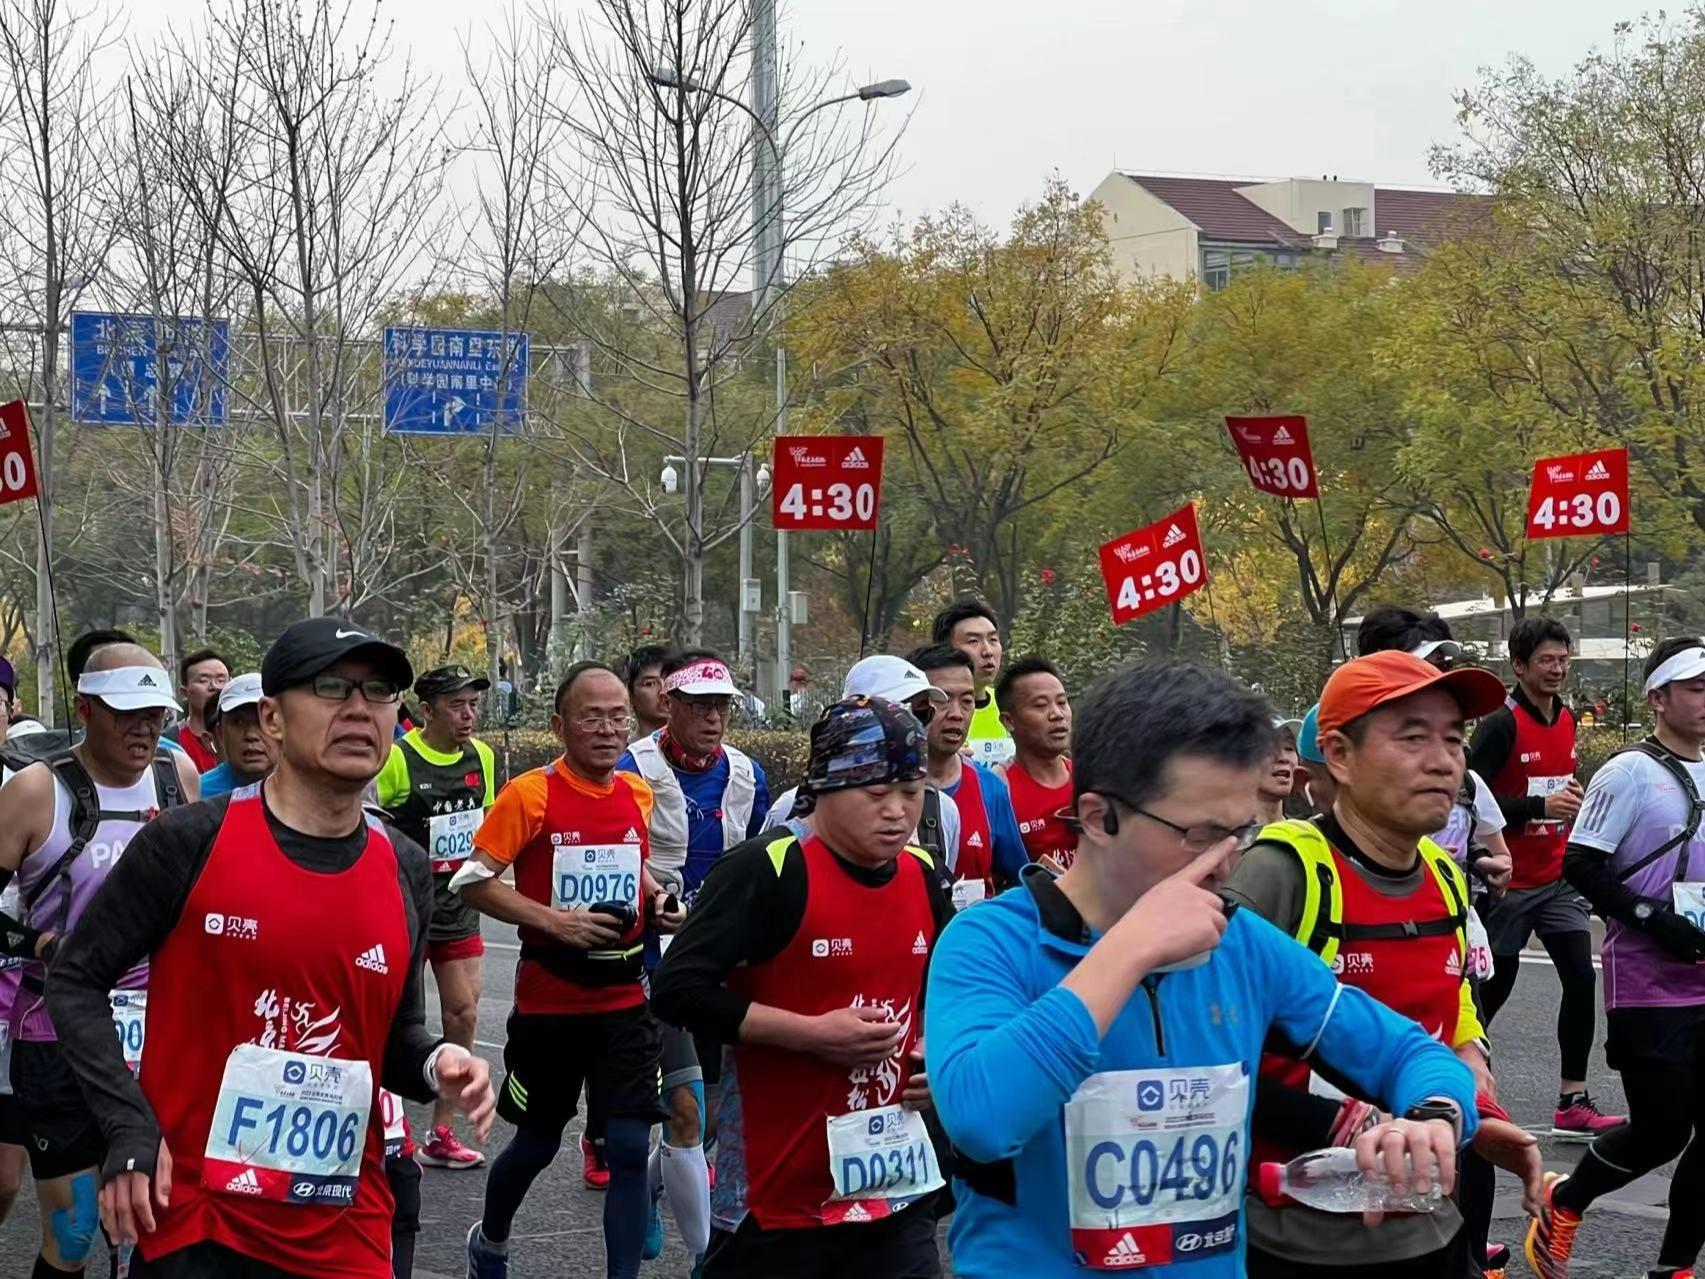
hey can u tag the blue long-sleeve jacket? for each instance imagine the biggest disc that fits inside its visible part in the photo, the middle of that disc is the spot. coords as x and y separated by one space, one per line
1008 1047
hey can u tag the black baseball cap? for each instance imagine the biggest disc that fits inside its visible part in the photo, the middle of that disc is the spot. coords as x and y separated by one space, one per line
863 741
441 680
308 647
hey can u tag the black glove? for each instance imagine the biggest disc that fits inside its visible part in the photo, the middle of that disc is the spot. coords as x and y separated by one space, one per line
1676 934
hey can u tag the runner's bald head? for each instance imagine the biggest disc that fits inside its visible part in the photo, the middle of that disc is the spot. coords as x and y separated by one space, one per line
110 657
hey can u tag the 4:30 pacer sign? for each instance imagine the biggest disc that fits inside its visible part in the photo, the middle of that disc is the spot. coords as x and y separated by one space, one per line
1153 566
1579 495
826 481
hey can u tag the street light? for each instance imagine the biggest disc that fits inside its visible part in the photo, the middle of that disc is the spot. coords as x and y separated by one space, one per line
884 89
671 480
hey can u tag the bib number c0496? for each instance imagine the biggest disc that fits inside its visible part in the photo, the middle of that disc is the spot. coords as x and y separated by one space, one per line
881 1159
450 837
288 1127
1155 1165
130 1019
585 874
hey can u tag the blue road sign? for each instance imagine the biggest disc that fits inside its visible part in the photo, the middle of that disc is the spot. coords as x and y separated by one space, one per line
454 381
121 363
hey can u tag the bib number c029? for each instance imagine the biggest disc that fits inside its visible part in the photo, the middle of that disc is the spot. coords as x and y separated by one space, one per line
1155 1164
450 837
130 1019
583 875
288 1127
879 1161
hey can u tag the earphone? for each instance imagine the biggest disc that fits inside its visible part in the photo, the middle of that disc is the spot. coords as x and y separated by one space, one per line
1110 819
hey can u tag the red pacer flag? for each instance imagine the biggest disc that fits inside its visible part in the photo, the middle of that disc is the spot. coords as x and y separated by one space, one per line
1153 566
1579 495
1275 452
826 481
17 462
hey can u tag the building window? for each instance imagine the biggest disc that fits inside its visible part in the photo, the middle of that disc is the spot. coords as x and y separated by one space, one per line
1216 269
1322 222
1355 221
1219 265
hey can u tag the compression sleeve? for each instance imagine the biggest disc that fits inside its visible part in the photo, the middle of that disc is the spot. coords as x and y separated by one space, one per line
1001 1062
1387 1057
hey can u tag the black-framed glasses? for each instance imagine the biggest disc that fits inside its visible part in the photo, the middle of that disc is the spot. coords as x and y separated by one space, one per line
703 707
1200 837
335 688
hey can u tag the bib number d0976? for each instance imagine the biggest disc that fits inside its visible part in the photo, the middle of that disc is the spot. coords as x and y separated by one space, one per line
450 838
586 874
879 1160
288 1127
1155 1163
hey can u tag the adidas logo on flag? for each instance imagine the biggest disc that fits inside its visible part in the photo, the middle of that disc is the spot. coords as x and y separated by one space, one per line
1280 436
855 460
632 837
858 1212
244 1183
921 945
373 959
1174 535
976 840
1127 1252
1598 471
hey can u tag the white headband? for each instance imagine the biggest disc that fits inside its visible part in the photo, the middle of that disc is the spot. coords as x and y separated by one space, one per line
1684 665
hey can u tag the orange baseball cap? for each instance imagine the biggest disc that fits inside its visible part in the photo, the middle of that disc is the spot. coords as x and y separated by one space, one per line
1359 686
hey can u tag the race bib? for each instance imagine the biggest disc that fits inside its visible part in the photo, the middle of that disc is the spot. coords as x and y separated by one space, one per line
585 874
1479 948
967 892
1155 1164
879 1160
130 1017
1689 899
1545 787
450 838
288 1127
396 1123
992 750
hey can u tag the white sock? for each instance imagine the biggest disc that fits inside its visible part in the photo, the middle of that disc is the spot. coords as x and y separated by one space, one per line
686 1180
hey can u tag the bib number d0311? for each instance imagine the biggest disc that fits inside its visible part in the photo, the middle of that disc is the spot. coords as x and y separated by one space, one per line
879 1161
1155 1164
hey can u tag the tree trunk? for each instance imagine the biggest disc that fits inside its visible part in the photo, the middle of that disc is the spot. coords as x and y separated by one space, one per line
164 609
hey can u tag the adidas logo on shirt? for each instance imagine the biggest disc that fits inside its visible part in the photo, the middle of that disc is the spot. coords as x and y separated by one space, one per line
921 945
1127 1252
855 460
858 1212
632 837
244 1183
1598 471
975 840
1174 535
373 959
1280 436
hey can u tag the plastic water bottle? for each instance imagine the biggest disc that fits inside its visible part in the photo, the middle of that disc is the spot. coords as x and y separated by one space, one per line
1331 1181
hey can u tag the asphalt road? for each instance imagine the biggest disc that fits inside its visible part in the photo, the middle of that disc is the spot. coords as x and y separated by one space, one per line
558 1232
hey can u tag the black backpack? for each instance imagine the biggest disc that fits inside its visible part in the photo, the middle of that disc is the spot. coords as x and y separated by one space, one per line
1695 808
930 836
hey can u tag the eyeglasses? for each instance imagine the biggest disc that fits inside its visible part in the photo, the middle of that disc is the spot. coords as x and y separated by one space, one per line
705 707
604 723
1200 837
335 688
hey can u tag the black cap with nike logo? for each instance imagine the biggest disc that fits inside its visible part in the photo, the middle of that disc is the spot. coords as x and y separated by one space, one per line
309 647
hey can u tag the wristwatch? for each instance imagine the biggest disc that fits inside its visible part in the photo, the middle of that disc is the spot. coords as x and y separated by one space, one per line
1437 1108
1643 912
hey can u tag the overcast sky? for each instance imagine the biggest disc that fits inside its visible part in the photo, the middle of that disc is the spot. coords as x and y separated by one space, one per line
1006 91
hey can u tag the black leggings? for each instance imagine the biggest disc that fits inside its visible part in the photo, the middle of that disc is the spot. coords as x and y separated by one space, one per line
1572 954
1666 1117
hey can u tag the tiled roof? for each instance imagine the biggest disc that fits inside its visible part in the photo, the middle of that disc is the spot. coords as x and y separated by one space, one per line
1217 209
1422 215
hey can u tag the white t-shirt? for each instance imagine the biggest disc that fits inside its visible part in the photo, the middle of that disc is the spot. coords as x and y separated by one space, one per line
1488 817
1626 787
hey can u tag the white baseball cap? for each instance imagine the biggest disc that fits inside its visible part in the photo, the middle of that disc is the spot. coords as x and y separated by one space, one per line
703 677
243 690
891 677
129 688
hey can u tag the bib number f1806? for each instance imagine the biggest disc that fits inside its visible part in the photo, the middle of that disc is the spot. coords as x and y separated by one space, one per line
288 1127
879 1160
450 838
1155 1165
585 874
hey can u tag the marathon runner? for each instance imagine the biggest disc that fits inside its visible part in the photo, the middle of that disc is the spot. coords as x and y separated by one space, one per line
1526 751
643 674
1320 790
436 786
286 931
201 677
807 958
1128 978
1637 853
1276 783
12 1136
574 833
1034 708
970 626
1366 889
246 753
64 826
892 679
991 849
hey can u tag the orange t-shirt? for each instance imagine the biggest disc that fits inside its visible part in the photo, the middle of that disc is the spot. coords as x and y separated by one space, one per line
531 819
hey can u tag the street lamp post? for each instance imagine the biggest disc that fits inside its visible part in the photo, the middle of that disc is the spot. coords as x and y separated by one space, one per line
751 484
768 266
